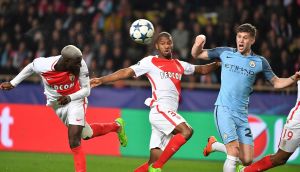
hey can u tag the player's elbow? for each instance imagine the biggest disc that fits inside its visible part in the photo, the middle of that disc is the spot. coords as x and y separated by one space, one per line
278 85
87 91
194 54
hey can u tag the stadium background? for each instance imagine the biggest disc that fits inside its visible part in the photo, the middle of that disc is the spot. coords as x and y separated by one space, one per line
30 29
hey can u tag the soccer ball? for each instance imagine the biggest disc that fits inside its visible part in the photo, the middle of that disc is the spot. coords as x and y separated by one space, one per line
141 31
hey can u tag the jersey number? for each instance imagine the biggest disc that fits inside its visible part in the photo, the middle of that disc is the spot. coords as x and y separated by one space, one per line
248 132
288 134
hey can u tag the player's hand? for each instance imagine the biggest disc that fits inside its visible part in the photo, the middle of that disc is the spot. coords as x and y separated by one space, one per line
200 40
6 86
63 100
218 62
297 75
94 82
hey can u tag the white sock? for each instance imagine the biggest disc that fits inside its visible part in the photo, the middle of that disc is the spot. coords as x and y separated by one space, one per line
217 146
230 164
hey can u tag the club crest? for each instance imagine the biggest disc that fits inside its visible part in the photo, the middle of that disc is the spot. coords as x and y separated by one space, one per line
72 77
252 64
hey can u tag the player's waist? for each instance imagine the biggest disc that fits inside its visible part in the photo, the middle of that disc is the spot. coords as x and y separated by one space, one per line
169 102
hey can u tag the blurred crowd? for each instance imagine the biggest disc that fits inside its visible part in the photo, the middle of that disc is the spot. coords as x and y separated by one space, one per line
100 28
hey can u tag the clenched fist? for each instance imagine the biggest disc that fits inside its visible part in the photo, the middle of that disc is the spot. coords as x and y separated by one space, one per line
6 86
200 40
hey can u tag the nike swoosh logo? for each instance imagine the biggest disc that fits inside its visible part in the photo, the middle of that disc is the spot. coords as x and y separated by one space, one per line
78 119
160 66
229 57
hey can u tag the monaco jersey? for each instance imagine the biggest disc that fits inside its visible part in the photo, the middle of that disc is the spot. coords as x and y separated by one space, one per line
295 112
165 76
56 83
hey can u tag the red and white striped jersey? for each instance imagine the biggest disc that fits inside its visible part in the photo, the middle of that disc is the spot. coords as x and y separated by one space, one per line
295 112
165 76
56 83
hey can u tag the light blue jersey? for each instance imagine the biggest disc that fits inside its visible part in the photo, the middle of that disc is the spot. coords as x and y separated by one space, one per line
238 76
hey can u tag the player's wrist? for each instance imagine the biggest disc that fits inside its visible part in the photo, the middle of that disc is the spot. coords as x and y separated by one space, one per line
292 78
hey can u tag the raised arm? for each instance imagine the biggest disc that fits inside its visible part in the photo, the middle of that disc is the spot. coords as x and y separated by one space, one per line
279 83
197 49
25 73
118 75
205 69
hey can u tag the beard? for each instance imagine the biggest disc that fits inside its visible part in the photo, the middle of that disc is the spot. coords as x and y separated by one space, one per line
168 55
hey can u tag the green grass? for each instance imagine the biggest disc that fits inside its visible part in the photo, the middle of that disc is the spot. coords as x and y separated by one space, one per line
46 162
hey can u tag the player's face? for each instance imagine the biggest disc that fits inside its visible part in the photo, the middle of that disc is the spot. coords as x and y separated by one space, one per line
72 65
244 42
165 46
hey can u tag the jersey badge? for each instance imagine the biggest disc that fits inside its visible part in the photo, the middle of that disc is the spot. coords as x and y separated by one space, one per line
252 64
72 77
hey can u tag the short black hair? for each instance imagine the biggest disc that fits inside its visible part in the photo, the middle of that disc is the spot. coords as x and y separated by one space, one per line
247 27
163 34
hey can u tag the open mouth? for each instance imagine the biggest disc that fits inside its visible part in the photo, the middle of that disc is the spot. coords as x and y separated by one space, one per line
241 46
167 51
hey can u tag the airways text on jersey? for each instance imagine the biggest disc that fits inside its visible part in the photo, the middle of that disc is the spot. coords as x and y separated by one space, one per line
64 83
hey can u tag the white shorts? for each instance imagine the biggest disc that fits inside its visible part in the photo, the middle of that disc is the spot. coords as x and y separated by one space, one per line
72 113
290 137
163 122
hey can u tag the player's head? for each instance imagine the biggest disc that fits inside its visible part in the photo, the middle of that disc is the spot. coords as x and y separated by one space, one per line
245 37
71 59
164 45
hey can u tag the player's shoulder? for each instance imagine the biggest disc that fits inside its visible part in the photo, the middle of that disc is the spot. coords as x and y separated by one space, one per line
46 59
219 51
44 63
226 49
257 57
148 59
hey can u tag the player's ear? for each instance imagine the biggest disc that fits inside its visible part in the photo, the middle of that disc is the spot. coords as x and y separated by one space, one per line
156 46
253 40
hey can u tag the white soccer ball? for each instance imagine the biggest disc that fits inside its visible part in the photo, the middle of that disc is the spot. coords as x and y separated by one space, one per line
141 31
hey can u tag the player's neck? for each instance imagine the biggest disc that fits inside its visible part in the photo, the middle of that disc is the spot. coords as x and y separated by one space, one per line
58 66
247 53
165 57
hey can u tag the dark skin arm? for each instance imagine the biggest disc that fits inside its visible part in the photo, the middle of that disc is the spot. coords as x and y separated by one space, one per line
206 69
118 75
6 86
63 100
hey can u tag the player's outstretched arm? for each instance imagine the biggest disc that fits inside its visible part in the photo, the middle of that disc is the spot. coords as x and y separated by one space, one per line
206 69
25 73
285 82
6 86
118 75
197 49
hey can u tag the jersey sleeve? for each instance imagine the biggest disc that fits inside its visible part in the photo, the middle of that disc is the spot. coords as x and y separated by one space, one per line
267 70
142 67
188 68
216 52
25 73
84 82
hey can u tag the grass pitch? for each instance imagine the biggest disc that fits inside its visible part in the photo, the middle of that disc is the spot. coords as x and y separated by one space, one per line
46 162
